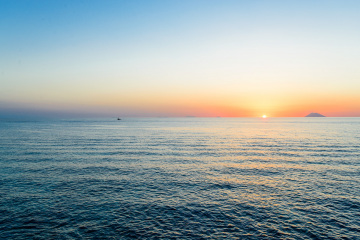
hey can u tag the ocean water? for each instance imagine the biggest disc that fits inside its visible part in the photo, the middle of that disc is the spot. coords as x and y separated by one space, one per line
180 178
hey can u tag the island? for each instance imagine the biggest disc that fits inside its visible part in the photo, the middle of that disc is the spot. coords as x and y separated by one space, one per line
314 115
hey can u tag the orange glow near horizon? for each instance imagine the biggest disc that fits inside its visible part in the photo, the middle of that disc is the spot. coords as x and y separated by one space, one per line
182 103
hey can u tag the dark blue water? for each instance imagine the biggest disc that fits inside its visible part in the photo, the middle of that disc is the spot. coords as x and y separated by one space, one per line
191 178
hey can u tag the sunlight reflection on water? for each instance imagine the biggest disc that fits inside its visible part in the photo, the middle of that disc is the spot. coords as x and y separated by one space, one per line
181 178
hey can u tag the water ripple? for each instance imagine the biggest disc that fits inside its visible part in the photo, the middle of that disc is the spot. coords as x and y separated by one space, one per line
180 179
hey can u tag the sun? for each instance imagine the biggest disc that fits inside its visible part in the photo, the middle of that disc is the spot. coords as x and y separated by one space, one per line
264 116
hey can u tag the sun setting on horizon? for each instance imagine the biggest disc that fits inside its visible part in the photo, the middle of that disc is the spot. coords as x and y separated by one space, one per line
264 116
180 58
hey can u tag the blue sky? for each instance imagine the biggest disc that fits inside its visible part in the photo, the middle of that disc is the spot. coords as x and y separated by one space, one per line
174 58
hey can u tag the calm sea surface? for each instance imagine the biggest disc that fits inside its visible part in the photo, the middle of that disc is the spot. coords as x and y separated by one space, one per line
180 178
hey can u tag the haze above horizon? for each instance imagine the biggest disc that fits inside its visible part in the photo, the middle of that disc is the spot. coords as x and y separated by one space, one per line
180 58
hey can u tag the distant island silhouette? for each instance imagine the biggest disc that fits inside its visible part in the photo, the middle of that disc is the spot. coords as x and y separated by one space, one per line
314 115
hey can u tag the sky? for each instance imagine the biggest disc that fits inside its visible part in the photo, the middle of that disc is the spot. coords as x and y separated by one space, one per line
205 58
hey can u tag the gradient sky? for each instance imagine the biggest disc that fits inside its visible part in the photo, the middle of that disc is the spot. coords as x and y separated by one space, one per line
178 58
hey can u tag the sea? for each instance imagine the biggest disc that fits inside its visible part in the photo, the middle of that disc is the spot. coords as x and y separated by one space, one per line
180 178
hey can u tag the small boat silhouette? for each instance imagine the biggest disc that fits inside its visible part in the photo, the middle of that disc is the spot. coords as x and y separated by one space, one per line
119 119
